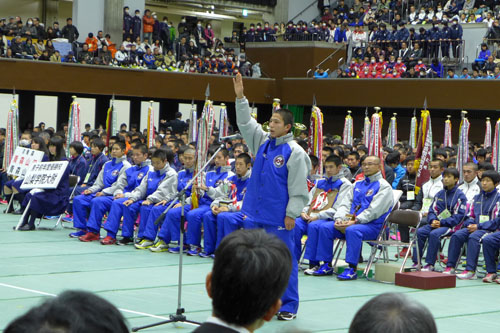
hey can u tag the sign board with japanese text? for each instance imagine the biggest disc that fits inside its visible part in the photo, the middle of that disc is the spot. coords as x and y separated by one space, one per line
22 160
44 175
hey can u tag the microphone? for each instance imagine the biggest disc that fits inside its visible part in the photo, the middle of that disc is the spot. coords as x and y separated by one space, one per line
232 137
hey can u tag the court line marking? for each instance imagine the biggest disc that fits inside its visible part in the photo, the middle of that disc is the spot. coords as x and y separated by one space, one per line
54 295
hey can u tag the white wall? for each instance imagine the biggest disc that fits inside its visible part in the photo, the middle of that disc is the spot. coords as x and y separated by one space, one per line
87 112
22 8
88 16
46 110
122 108
144 115
5 100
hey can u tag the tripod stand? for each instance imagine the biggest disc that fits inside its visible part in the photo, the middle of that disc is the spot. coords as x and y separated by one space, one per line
179 316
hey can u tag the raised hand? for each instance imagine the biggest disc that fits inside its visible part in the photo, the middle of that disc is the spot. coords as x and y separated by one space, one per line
238 86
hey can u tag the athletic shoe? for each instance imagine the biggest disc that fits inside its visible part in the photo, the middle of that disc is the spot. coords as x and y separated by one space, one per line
497 280
348 274
490 277
324 270
204 255
428 268
403 252
51 217
125 241
284 315
467 275
138 240
144 244
3 202
108 240
310 271
89 237
77 234
449 270
177 249
160 246
212 256
194 251
68 218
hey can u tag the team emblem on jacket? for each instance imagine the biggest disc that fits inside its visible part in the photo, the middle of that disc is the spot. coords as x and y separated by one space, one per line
115 173
140 175
369 192
279 161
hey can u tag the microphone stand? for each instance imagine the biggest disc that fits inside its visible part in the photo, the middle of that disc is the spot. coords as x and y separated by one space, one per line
179 316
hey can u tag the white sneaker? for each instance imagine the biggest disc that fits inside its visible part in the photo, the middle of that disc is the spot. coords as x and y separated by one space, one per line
449 271
310 271
428 268
159 246
467 275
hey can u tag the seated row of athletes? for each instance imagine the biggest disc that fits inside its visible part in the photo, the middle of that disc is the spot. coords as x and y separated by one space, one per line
337 209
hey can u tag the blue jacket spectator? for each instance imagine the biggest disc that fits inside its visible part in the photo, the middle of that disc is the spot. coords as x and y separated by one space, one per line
340 35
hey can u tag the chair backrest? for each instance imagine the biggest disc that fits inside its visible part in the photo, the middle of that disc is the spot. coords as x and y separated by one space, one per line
73 180
408 218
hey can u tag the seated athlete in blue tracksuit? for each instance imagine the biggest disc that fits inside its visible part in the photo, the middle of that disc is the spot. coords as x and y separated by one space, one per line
446 212
105 184
483 219
194 217
308 223
363 209
159 184
126 183
491 245
147 228
77 163
229 199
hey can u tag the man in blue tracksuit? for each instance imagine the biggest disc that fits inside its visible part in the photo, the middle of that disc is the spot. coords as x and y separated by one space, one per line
446 212
125 184
491 245
148 228
105 184
159 184
229 199
194 217
277 190
313 216
483 219
360 216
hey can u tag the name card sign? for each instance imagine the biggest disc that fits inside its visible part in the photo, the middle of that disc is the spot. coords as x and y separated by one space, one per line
44 175
22 160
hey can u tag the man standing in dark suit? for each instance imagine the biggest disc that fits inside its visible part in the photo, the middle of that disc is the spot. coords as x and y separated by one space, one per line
249 276
178 126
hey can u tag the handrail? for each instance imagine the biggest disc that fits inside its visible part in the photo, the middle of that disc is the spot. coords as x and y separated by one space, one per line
261 70
328 57
309 71
338 62
303 10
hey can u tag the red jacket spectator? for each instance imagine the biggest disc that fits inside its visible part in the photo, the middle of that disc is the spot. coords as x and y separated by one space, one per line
148 23
380 66
419 66
400 67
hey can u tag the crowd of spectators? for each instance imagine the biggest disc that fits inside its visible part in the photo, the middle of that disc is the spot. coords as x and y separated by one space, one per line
382 46
160 47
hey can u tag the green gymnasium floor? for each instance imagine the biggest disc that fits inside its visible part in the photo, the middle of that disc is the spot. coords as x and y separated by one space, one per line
36 265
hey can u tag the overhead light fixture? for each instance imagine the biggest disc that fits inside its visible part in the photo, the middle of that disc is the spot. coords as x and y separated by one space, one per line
244 12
